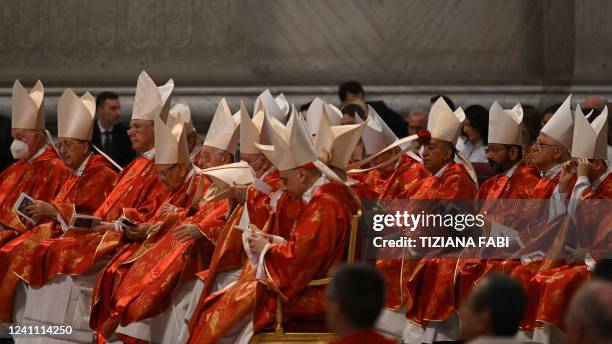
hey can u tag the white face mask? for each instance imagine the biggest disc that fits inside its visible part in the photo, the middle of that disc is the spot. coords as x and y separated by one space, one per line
19 149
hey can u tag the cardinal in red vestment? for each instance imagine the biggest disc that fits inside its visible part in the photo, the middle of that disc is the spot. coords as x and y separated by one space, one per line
85 189
38 172
135 197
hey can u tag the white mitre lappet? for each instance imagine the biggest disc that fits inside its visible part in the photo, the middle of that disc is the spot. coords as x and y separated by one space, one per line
561 125
590 140
151 101
223 131
75 115
506 126
27 107
224 177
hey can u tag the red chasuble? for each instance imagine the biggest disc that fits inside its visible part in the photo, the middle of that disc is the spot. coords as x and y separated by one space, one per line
454 183
81 194
138 192
41 179
139 262
317 235
556 286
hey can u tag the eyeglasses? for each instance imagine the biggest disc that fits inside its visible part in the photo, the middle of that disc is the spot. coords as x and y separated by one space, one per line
494 149
539 145
68 144
138 128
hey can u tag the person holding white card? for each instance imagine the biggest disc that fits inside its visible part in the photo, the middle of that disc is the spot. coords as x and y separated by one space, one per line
316 234
85 189
39 171
180 237
589 207
68 265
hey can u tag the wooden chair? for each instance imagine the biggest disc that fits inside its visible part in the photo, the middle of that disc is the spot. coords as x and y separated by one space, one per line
279 335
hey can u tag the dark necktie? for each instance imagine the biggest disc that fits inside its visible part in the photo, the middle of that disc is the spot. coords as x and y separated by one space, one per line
106 146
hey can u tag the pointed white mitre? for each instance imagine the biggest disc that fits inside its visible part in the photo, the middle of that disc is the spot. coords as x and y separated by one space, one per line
316 110
151 101
181 108
590 140
506 126
224 177
561 125
223 131
276 107
75 116
171 141
444 123
27 110
334 144
376 135
283 104
292 146
250 132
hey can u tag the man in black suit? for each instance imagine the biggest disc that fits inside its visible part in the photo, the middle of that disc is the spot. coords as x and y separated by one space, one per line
108 134
6 158
351 90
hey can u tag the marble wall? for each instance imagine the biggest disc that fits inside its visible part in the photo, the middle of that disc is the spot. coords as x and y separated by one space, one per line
534 51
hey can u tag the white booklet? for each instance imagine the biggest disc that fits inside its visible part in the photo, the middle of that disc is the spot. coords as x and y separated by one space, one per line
532 257
22 202
80 221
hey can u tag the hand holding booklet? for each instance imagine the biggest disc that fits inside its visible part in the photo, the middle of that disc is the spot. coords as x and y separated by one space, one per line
23 201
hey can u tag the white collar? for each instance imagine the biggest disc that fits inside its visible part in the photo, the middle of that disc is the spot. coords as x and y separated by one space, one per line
552 172
307 196
150 154
39 153
439 173
510 172
103 129
79 171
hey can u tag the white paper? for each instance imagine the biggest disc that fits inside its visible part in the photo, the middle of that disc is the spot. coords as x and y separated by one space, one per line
532 257
23 201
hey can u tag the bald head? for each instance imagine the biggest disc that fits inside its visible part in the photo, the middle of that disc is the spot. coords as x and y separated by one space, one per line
589 319
594 102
